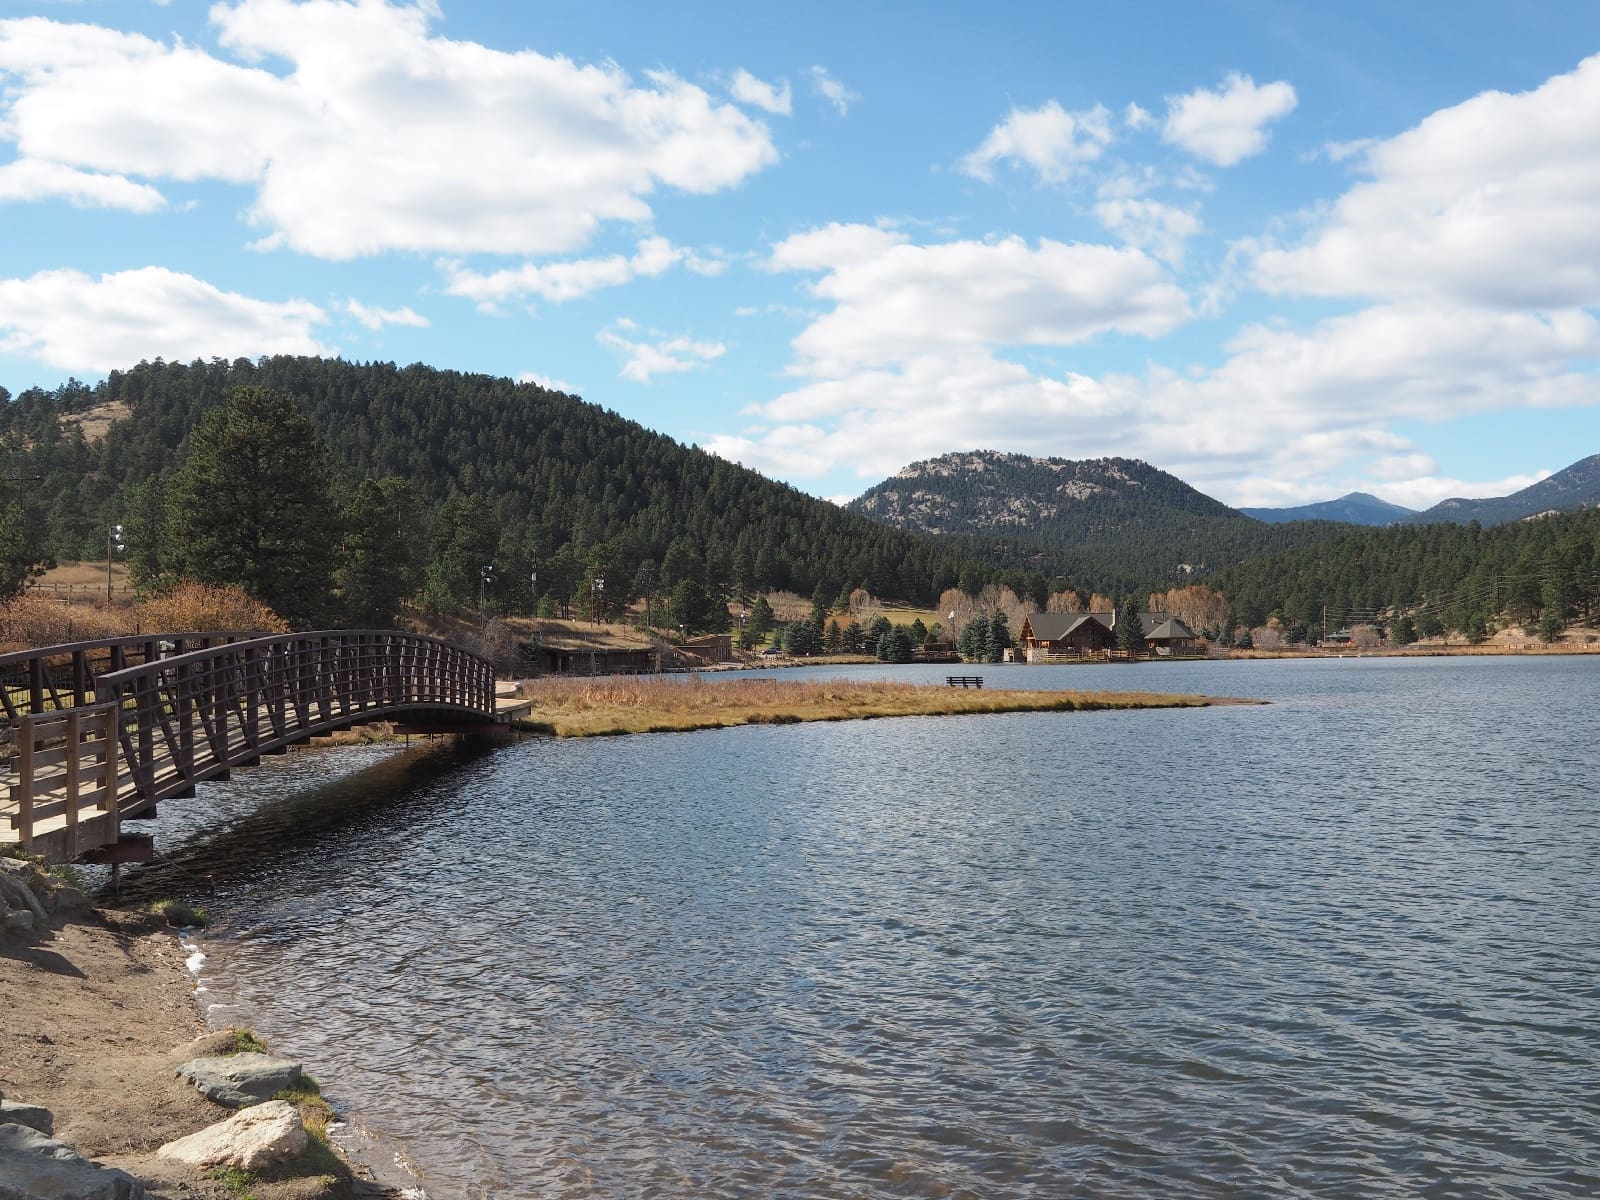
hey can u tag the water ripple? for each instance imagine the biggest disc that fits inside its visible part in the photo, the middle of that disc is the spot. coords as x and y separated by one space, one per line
1344 945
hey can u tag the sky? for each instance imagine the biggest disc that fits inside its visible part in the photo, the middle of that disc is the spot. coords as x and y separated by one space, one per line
1284 251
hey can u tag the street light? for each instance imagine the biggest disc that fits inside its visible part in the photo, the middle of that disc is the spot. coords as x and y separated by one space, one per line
533 577
113 544
484 575
599 597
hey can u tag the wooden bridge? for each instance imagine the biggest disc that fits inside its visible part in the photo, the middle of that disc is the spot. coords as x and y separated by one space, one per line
102 731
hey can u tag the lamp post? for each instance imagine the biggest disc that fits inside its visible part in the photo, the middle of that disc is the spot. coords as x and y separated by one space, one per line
599 597
113 544
485 573
533 579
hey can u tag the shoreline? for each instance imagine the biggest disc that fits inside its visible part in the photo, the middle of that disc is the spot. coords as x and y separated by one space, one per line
613 706
101 1007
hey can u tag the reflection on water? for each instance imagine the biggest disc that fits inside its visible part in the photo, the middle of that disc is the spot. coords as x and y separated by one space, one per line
1342 945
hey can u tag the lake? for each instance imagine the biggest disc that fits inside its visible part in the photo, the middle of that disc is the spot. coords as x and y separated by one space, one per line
1346 944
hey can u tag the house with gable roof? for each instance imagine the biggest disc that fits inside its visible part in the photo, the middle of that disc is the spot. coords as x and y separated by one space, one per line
1053 636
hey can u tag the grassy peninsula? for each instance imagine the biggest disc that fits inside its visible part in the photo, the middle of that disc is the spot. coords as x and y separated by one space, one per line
611 706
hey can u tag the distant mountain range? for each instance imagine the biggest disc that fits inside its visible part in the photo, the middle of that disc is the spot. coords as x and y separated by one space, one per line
1113 522
1355 508
1568 490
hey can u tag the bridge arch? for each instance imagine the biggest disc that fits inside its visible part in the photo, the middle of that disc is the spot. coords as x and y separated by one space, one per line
105 730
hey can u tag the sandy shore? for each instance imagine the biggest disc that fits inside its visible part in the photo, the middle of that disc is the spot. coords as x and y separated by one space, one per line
98 1012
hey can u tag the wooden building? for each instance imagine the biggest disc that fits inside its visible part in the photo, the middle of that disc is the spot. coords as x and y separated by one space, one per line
713 647
1046 636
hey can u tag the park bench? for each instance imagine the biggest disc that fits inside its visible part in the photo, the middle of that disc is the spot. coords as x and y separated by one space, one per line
964 681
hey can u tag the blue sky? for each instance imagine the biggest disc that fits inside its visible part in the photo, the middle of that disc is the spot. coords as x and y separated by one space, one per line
1284 251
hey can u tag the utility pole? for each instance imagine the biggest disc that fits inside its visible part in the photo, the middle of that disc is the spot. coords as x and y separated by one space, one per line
113 543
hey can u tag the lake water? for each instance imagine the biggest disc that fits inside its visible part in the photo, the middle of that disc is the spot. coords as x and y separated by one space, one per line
1343 945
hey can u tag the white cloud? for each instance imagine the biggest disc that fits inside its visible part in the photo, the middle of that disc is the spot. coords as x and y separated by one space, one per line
35 179
1162 229
894 300
558 282
1284 405
1227 126
78 323
667 355
376 318
1052 141
831 90
747 89
548 382
1137 118
378 136
1425 491
1493 202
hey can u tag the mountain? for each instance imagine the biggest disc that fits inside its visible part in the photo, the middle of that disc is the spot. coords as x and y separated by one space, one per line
1106 524
1355 508
548 478
985 491
1575 487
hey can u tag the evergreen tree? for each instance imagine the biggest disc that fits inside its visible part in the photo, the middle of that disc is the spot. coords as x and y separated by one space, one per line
253 506
376 571
1403 632
465 538
761 619
20 552
999 637
1130 631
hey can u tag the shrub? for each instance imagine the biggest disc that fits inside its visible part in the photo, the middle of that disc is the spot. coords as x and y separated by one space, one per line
198 607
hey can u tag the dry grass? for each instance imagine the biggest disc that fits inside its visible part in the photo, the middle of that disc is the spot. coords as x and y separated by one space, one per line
628 704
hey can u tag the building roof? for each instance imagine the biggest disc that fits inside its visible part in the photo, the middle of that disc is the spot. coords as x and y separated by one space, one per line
1052 627
1156 626
1167 629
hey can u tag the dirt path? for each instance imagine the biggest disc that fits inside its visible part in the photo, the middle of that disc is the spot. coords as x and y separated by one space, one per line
94 1017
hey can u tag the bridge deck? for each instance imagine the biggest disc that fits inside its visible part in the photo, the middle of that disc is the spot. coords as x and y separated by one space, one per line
113 744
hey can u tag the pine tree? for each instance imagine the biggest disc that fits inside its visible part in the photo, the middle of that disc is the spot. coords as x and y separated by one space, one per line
376 571
253 506
1130 632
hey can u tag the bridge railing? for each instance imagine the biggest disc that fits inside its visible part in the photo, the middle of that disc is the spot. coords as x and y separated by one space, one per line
54 678
191 716
155 727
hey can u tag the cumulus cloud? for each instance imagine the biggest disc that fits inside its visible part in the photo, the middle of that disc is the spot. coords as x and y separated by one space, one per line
893 299
831 90
1494 202
1162 229
548 382
376 319
1051 140
80 323
774 98
376 135
1228 125
35 179
573 279
668 354
1284 404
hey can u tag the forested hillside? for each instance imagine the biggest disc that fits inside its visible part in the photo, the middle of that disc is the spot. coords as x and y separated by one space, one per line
1113 524
1442 576
489 472
1569 489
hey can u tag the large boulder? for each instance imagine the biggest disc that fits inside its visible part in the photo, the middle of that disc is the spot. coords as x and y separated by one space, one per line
36 1167
239 1080
14 1113
249 1140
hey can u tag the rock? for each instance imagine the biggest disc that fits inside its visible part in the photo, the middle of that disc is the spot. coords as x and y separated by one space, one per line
19 895
19 921
67 900
36 1167
14 1113
238 1080
257 1137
